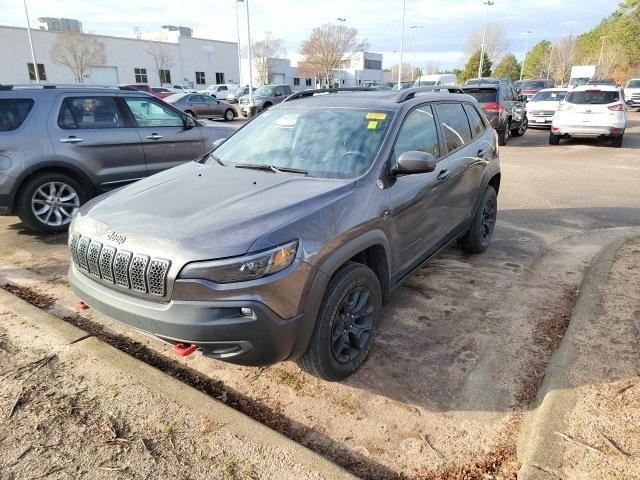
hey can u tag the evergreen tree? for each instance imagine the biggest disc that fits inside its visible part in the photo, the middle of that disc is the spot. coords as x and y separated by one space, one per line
508 67
471 68
536 62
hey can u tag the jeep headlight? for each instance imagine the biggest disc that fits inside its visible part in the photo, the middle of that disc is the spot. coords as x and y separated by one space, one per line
242 269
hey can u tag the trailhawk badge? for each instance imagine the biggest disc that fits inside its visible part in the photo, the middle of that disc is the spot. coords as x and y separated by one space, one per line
117 237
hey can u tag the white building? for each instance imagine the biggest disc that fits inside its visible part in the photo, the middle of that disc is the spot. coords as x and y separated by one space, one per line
357 69
193 61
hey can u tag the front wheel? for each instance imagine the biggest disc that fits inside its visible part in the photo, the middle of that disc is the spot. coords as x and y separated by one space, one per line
47 202
346 324
477 238
518 132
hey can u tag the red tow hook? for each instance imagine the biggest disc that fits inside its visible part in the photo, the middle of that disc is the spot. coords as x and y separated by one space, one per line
184 349
80 305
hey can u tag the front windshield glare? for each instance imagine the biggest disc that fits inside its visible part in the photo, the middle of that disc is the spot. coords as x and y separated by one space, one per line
549 96
324 142
263 91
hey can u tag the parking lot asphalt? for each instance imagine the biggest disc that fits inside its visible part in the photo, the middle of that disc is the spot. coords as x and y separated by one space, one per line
463 344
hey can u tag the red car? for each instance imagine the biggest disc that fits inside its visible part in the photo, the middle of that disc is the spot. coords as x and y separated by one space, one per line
158 92
529 88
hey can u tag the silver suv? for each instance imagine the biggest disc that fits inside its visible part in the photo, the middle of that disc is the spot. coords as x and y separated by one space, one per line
264 97
284 241
61 145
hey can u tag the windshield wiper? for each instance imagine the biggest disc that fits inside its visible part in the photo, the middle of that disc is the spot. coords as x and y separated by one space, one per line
271 168
217 159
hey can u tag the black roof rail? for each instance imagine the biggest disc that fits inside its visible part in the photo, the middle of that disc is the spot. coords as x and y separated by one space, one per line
409 93
48 86
311 92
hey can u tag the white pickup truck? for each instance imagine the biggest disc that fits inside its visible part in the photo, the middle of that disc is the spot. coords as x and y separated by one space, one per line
581 74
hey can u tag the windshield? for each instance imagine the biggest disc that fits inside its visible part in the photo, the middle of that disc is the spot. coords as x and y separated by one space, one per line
264 90
593 97
324 142
578 81
531 85
634 84
174 98
549 96
483 95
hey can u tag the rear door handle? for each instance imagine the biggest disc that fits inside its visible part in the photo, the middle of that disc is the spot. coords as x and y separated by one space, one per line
71 140
154 136
443 175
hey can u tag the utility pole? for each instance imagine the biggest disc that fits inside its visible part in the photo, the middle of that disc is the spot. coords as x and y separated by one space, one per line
550 60
33 53
413 62
404 11
488 3
526 45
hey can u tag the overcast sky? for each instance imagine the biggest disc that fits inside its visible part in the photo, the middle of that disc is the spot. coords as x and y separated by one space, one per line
441 40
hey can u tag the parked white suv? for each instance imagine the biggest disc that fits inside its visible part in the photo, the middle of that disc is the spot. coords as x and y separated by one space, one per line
632 93
219 91
591 112
543 105
182 89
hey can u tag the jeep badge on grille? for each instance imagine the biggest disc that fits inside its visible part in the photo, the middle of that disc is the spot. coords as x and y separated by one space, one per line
116 237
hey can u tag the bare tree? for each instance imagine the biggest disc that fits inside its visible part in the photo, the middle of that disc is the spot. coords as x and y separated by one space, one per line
264 52
161 57
391 75
79 52
562 58
495 44
326 49
431 68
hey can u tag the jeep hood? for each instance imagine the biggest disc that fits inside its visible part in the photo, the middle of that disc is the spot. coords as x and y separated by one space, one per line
206 211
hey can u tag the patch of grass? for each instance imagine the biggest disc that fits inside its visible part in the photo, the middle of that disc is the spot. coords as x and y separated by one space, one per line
345 402
231 467
250 471
291 379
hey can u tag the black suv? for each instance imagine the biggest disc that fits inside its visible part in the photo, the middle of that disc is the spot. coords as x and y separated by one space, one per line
284 241
505 108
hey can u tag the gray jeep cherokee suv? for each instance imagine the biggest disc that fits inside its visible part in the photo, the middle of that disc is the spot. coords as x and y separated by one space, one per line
284 241
60 145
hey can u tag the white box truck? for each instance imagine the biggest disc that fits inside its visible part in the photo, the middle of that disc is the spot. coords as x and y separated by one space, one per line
581 74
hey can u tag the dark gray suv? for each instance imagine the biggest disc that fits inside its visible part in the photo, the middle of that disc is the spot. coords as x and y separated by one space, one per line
284 241
60 145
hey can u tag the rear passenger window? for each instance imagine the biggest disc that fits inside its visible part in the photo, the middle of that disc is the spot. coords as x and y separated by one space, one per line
455 126
13 112
418 133
477 125
89 112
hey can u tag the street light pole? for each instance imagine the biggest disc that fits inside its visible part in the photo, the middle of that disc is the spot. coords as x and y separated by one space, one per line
404 11
526 45
239 55
550 61
33 53
603 38
413 62
343 20
249 55
488 3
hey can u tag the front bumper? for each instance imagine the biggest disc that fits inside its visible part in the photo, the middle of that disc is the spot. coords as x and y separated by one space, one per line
539 121
633 102
217 327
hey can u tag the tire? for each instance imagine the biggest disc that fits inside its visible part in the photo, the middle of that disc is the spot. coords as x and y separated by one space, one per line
336 360
266 105
617 141
31 193
477 238
213 96
554 139
518 132
503 135
229 115
191 114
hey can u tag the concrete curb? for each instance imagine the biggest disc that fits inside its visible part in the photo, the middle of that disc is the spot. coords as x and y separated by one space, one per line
169 387
540 450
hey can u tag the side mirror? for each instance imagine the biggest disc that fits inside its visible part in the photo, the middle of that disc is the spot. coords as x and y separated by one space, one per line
189 122
414 162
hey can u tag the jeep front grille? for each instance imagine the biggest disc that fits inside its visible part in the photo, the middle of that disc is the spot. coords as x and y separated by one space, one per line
125 269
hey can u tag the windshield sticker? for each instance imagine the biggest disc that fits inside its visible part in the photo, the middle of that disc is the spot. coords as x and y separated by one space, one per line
376 116
373 124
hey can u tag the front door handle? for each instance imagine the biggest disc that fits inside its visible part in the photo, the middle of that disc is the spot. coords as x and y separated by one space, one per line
154 136
481 153
443 175
71 139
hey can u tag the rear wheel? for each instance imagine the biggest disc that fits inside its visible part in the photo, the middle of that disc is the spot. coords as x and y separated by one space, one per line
554 139
617 141
503 135
346 324
229 114
477 239
47 202
191 114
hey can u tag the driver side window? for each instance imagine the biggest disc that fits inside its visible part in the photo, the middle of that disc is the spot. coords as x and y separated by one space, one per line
149 113
418 133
